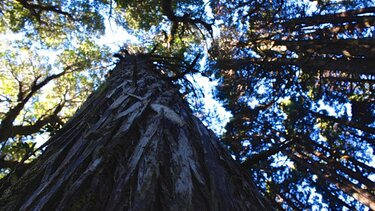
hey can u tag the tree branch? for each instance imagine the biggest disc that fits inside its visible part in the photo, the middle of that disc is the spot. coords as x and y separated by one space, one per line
24 130
167 10
6 126
254 159
36 9
11 164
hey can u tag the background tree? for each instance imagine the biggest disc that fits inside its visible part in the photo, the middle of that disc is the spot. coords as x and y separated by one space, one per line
49 64
293 77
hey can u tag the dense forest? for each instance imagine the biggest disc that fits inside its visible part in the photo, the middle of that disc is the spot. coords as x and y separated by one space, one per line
297 76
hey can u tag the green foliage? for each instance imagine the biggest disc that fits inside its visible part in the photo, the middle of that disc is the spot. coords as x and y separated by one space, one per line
151 22
18 149
141 14
49 64
290 74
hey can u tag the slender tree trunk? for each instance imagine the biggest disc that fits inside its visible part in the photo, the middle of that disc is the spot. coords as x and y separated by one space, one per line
362 195
134 145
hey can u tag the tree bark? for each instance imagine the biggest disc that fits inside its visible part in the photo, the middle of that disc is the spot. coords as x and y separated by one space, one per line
133 145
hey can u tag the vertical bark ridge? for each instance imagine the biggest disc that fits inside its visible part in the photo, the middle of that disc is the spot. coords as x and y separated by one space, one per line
134 145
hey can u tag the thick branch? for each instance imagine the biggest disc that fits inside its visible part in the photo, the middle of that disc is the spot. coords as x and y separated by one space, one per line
24 130
36 9
11 164
254 159
6 128
167 10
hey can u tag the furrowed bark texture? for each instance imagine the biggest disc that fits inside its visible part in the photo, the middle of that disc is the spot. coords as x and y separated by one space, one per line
134 145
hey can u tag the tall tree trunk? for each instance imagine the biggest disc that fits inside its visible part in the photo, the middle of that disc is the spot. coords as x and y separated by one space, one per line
134 145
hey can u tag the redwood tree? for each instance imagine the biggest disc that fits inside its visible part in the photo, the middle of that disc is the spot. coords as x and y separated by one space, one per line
133 145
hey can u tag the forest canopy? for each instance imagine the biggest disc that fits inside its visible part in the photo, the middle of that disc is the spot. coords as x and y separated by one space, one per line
297 76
